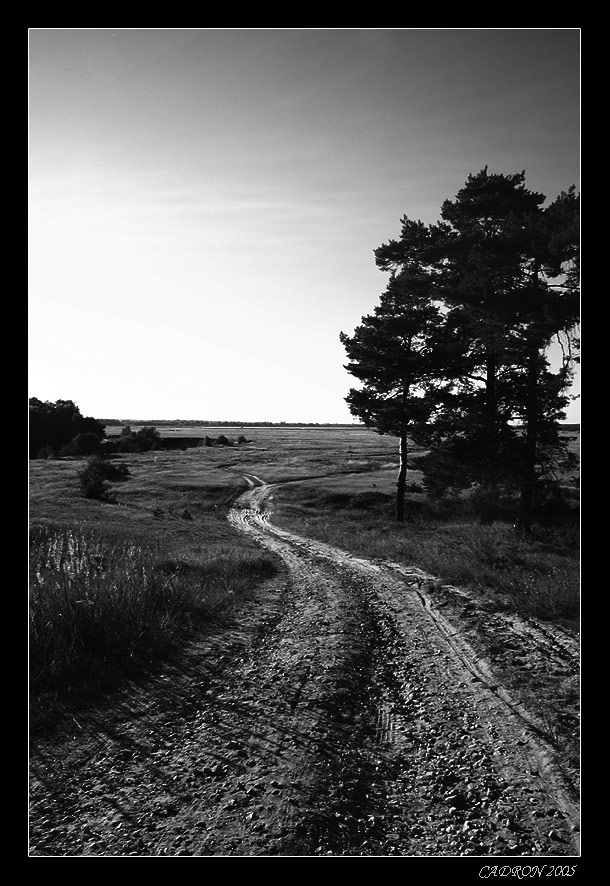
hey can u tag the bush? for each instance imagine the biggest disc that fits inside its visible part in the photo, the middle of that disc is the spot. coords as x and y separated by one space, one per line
144 440
148 439
127 443
93 479
490 506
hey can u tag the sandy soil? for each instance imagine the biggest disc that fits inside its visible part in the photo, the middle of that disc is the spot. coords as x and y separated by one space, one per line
346 713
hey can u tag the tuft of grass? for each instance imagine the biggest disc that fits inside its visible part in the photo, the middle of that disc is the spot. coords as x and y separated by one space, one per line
102 610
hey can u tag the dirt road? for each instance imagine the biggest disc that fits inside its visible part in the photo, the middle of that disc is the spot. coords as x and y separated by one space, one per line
344 715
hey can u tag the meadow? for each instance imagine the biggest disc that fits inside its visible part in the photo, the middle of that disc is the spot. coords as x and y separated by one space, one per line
117 586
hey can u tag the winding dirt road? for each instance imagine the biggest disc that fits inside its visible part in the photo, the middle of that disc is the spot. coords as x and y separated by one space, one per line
343 716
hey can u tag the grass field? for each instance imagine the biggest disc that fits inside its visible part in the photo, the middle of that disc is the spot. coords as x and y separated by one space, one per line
114 586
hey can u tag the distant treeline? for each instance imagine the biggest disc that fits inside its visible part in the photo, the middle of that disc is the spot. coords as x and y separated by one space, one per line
205 423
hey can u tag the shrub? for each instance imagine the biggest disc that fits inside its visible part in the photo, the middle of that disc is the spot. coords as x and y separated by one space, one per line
93 479
127 443
144 440
148 439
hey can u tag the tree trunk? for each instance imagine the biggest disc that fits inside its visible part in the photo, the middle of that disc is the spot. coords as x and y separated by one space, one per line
532 412
401 483
524 521
490 468
490 389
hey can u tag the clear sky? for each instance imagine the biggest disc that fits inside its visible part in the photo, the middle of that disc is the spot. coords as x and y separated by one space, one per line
204 203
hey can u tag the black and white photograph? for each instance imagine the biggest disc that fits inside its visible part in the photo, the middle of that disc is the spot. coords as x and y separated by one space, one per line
304 445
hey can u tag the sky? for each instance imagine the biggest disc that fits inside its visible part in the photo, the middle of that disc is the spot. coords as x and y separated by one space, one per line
204 204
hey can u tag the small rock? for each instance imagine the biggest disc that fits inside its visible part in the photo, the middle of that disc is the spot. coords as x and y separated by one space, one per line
458 800
555 835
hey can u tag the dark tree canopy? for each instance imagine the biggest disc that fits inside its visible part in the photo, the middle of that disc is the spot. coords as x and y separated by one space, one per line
53 425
